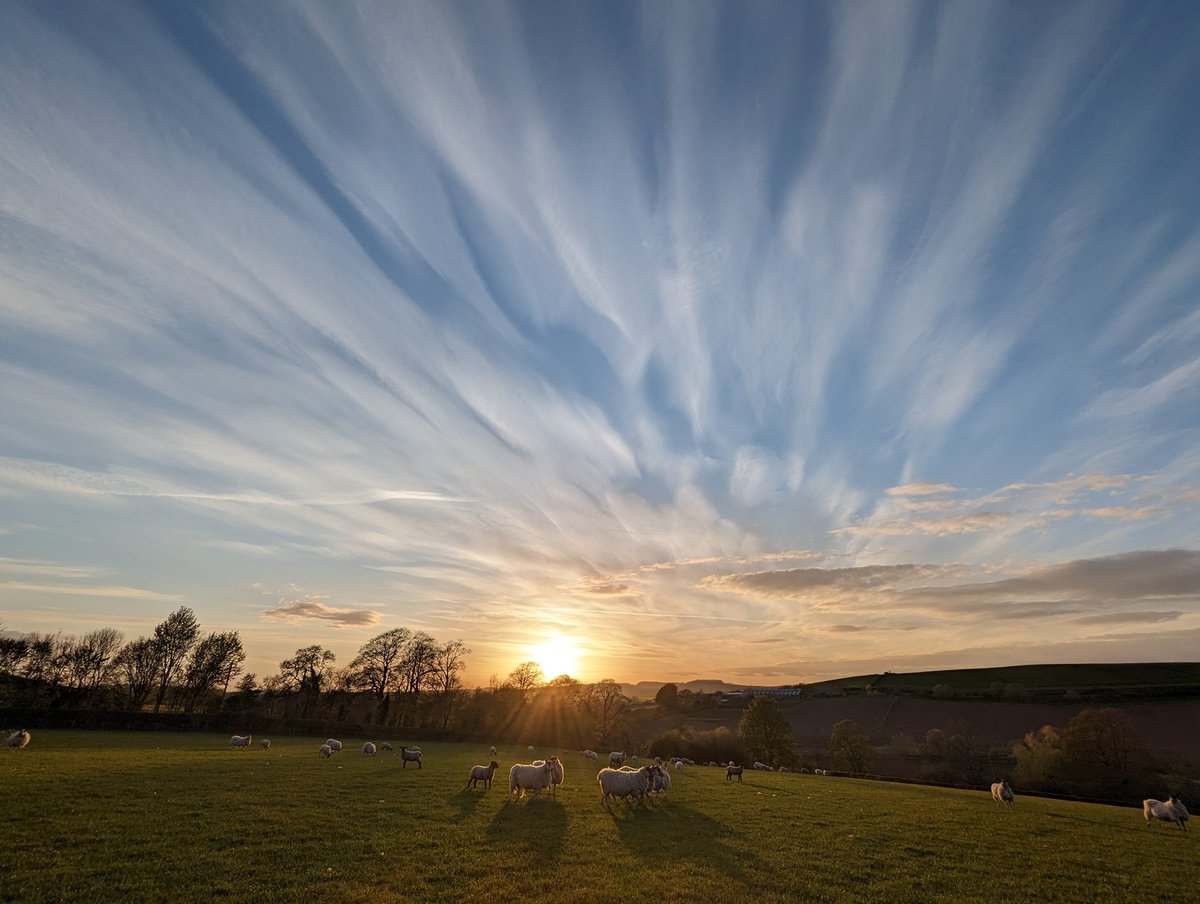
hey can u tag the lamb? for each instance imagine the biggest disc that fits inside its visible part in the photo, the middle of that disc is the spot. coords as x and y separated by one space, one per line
385 746
1002 793
530 748
619 783
678 766
326 751
18 740
334 745
240 741
411 755
590 755
492 750
616 758
732 770
484 774
533 777
264 744
1170 810
368 749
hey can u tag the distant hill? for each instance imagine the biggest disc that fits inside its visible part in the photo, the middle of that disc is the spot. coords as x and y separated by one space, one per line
646 690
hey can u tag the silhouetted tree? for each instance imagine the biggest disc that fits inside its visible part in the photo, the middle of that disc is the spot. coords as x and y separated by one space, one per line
849 747
376 668
526 676
604 702
667 696
137 662
448 664
173 639
213 662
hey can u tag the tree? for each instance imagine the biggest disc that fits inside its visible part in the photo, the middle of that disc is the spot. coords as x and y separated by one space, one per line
417 664
1104 754
138 665
214 661
667 697
377 665
307 669
448 664
604 702
767 733
89 659
527 676
173 639
849 747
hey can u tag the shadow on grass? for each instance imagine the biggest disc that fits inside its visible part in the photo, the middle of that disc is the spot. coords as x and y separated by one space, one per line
668 833
536 827
468 801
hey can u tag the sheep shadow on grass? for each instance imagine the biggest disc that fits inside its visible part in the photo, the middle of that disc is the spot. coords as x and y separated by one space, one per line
670 832
533 827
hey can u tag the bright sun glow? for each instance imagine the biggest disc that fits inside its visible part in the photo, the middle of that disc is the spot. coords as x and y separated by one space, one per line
557 656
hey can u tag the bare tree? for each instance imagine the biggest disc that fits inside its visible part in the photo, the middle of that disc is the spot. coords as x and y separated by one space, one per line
604 702
417 664
448 663
527 676
306 670
377 665
174 638
214 661
138 664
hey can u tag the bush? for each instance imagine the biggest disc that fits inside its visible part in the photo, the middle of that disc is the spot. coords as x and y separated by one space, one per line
719 745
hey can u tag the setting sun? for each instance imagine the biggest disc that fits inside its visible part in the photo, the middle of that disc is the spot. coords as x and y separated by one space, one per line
557 656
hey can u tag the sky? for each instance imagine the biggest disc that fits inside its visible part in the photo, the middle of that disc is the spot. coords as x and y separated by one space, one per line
652 341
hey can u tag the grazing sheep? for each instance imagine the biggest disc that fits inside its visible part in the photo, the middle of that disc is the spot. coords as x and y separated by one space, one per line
761 767
530 748
714 764
616 758
240 741
688 762
411 755
385 746
804 770
368 749
484 774
492 750
334 744
264 744
18 739
678 766
326 751
590 755
732 770
784 769
660 780
533 777
634 783
1002 793
1170 810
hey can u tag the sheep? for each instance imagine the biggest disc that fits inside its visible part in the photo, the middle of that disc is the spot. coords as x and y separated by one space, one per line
678 766
1002 793
732 770
492 750
334 744
762 767
264 744
688 762
385 746
368 749
633 760
590 755
623 784
804 770
240 741
326 751
530 748
660 779
1170 810
524 777
484 774
18 740
784 769
616 758
411 755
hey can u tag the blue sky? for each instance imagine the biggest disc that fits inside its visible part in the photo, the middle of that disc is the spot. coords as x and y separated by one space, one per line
754 341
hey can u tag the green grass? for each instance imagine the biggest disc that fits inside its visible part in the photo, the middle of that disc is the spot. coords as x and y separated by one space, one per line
181 817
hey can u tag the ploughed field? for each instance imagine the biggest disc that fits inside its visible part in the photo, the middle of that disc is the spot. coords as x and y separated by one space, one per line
182 817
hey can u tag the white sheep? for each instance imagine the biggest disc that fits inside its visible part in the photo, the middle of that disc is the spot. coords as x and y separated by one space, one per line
762 767
1002 793
368 749
482 774
732 770
590 755
530 748
18 740
240 741
385 746
621 783
326 751
678 766
1170 810
660 779
411 755
616 758
492 750
334 745
264 744
533 777
557 774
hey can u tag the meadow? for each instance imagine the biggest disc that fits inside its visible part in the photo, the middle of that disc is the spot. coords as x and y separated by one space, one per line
182 817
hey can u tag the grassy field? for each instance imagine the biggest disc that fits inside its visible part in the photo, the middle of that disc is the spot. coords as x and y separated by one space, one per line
181 817
1092 677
